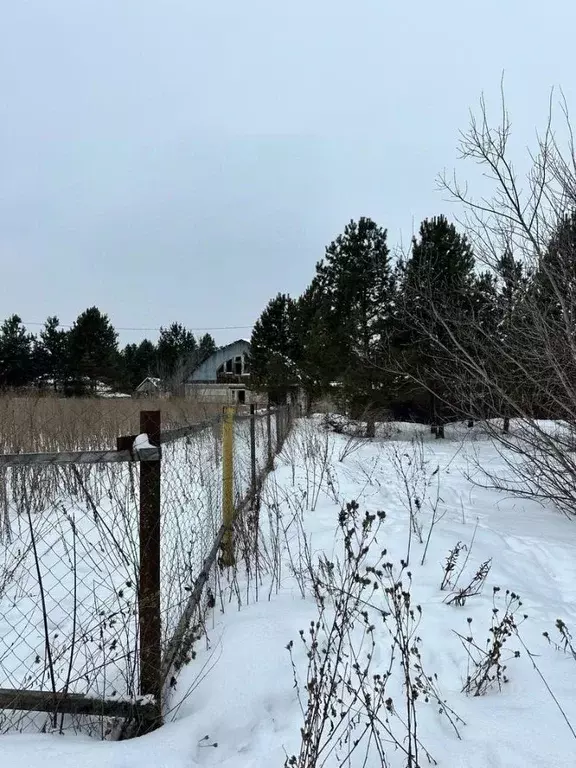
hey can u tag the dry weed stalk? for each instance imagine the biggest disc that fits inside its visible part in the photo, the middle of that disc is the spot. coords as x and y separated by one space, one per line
348 712
487 665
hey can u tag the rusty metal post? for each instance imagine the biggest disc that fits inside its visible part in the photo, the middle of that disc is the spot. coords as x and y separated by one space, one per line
149 582
278 417
253 476
269 435
228 557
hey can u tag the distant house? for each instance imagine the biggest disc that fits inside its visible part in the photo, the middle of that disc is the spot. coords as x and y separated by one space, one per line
224 377
150 387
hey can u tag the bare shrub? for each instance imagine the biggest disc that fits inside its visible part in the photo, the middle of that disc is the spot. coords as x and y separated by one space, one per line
460 596
450 565
353 443
311 451
411 469
347 709
487 665
514 374
566 641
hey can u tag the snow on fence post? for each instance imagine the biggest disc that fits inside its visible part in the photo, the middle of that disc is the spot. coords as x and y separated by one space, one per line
253 475
228 558
149 582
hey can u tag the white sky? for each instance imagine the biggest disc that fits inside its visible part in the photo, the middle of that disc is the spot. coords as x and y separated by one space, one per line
184 160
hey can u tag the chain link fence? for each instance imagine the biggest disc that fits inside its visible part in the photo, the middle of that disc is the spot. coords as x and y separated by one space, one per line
107 567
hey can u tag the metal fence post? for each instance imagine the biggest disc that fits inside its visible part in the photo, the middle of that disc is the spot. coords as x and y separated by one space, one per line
228 557
269 434
149 581
278 417
253 477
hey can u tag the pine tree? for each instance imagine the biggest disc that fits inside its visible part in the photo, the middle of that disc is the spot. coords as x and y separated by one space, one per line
16 354
356 282
554 283
177 354
549 328
440 268
437 296
206 347
138 362
53 353
311 347
93 351
512 282
272 365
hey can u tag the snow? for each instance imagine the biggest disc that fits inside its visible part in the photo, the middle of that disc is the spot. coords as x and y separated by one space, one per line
239 691
141 442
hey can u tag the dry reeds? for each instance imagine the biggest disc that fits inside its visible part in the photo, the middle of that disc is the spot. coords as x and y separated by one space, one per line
51 423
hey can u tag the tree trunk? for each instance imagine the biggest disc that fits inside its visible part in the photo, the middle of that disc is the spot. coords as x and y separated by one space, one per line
433 419
371 426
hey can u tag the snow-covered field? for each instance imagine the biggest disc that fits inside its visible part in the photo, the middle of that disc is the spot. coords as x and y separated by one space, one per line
236 704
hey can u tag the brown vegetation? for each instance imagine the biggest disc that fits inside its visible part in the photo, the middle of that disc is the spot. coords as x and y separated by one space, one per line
51 423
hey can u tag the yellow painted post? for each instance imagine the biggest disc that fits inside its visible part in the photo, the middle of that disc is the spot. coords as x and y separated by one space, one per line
228 558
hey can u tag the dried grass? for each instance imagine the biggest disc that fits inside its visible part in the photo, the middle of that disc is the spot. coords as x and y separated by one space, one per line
50 423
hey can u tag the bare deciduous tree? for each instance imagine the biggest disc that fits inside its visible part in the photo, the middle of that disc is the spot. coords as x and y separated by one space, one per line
507 354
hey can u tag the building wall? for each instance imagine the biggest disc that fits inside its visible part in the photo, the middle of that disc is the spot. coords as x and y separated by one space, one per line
207 371
226 394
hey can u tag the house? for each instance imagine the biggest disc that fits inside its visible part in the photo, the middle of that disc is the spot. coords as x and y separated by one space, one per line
224 377
150 387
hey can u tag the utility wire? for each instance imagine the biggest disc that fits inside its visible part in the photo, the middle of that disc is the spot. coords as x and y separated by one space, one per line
118 328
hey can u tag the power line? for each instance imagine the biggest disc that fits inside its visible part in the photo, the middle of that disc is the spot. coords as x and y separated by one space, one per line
118 328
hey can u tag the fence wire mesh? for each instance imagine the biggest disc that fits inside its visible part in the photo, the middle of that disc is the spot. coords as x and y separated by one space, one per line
191 515
70 559
68 583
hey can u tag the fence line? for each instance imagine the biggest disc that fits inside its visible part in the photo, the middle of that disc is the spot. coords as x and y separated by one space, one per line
106 558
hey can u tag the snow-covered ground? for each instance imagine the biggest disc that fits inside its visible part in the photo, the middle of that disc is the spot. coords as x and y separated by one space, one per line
235 704
83 523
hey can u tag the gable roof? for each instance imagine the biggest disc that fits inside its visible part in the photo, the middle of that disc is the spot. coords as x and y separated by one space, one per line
153 380
206 371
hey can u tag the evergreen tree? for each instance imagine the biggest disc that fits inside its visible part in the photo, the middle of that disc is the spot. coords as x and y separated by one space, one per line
206 347
439 271
138 362
311 343
553 285
356 283
93 351
177 354
437 292
53 353
548 331
512 283
16 354
272 364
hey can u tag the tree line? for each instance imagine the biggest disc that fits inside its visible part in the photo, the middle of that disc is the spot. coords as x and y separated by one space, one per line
79 360
432 334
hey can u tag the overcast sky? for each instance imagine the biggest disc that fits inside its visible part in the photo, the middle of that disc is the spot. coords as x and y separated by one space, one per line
177 160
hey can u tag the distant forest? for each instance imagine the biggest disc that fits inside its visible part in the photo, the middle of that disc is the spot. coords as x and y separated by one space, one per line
82 359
